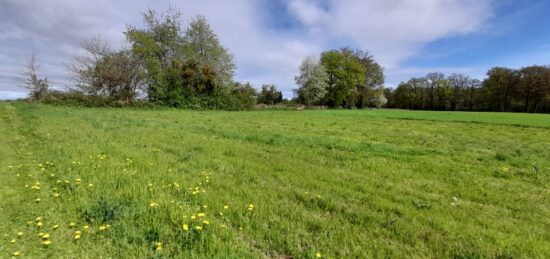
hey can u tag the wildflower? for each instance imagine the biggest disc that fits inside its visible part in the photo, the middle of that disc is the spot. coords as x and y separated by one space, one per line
204 206
56 195
40 234
158 246
185 227
86 227
19 234
37 200
90 185
225 207
205 222
39 224
77 232
55 226
46 243
201 214
193 217
101 228
76 237
154 205
38 219
318 255
13 241
199 228
107 226
250 207
72 224
16 253
45 236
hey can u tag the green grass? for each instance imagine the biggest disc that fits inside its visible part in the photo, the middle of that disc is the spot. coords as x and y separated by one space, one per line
345 184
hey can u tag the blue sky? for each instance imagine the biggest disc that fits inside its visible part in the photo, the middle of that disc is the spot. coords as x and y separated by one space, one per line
269 38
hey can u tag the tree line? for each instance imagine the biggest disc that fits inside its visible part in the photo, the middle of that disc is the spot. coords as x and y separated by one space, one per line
504 90
169 63
165 63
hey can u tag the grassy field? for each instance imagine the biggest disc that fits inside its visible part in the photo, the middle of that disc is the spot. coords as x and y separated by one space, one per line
122 183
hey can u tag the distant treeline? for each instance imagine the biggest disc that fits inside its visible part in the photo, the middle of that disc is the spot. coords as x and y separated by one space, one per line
504 90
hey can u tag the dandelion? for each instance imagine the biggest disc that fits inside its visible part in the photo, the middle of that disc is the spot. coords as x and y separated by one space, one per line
46 243
205 222
225 207
318 255
13 241
55 226
16 253
19 234
77 232
56 195
40 234
193 217
76 237
39 224
158 246
72 225
39 219
154 205
185 227
45 236
199 228
250 207
201 214
102 228
37 200
86 227
90 185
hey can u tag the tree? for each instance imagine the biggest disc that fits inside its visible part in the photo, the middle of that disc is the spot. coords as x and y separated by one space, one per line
436 81
534 86
374 77
102 71
29 79
473 87
160 46
202 45
312 81
499 88
458 83
380 99
345 73
269 95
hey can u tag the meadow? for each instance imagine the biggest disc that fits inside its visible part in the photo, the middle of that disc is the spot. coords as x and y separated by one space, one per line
146 183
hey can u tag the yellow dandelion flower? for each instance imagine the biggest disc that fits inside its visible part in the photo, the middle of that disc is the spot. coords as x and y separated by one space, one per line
158 244
193 217
76 237
40 234
55 226
45 236
39 219
225 207
101 228
46 242
154 205
86 227
16 253
20 234
39 224
318 255
72 224
201 214
56 195
13 241
90 185
205 222
198 228
77 232
185 227
37 200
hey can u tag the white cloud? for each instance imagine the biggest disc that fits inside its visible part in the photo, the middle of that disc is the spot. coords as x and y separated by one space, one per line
393 30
